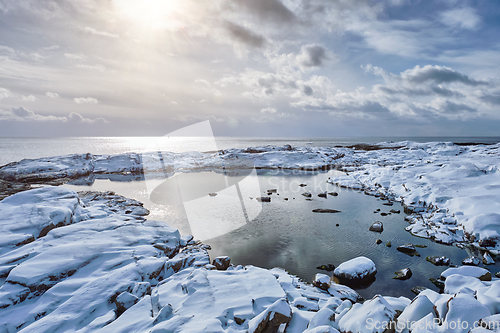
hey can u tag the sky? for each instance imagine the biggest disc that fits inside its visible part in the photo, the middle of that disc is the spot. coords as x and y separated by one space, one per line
261 68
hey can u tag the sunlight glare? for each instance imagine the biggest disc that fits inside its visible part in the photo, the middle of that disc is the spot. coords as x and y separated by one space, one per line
153 14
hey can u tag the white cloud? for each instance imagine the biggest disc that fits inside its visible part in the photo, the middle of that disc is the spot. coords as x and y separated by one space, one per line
52 94
74 56
99 68
95 32
23 114
268 110
29 98
85 100
5 93
464 18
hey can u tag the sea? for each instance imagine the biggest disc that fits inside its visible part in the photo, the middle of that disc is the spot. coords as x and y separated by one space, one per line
15 149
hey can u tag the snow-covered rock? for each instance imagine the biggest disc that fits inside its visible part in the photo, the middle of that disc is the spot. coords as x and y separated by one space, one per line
478 272
357 268
375 315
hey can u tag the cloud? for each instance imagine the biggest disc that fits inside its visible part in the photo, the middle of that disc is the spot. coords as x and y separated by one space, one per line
268 110
29 98
312 55
5 93
51 94
99 68
79 57
270 11
438 74
464 18
23 114
85 100
244 35
95 32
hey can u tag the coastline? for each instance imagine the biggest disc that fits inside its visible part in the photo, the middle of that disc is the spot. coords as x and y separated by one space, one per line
297 305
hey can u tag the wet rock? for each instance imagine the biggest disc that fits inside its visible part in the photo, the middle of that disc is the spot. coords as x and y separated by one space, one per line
322 281
438 261
421 246
302 185
497 274
325 210
378 241
417 289
333 194
408 249
327 267
384 214
471 261
437 283
221 263
387 204
388 244
395 211
286 199
323 195
337 225
403 274
307 194
264 199
377 227
212 194
273 190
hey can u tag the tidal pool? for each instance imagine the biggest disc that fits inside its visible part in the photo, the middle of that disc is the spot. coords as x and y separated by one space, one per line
285 232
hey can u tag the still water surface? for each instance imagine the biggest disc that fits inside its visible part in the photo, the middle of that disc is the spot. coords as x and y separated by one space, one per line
287 234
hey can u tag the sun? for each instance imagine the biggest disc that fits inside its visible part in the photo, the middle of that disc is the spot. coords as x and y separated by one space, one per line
153 14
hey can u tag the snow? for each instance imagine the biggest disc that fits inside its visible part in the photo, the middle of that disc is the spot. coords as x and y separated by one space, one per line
357 268
91 262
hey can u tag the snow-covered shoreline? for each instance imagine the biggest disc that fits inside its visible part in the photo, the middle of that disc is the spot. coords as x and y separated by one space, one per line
452 190
91 262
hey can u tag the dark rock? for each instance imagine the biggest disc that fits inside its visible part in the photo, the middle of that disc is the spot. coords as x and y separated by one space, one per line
307 194
302 185
378 241
497 274
327 267
337 225
437 283
387 204
408 249
323 195
471 261
334 194
273 190
264 199
377 227
438 261
221 263
418 289
388 244
286 199
378 210
384 214
421 246
487 242
395 211
325 210
212 194
403 274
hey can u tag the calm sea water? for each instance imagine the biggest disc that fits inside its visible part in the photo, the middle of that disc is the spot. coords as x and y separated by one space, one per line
15 149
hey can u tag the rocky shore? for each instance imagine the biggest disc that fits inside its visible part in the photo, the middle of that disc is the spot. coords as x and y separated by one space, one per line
91 261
